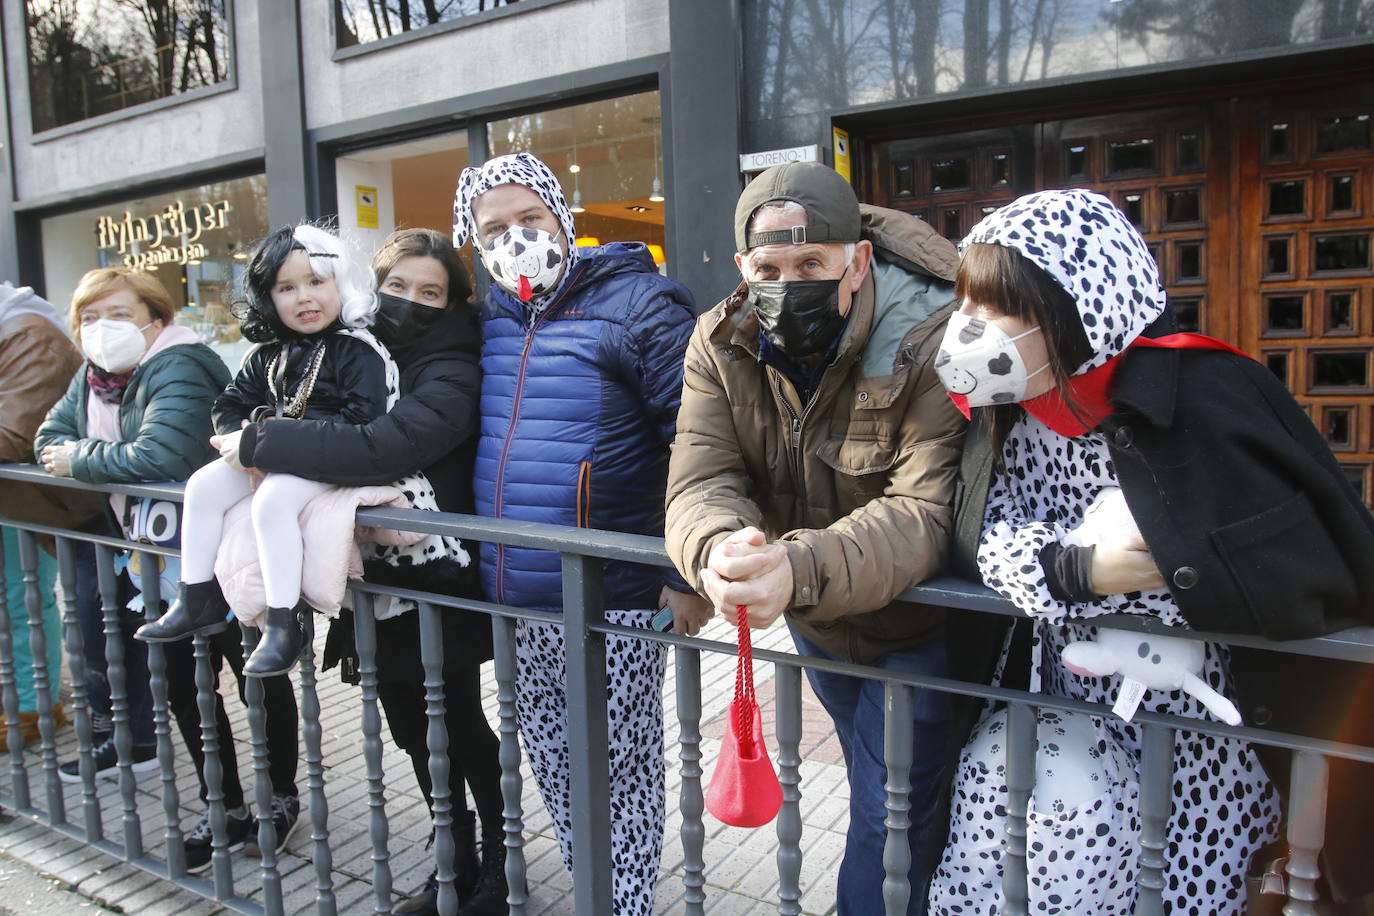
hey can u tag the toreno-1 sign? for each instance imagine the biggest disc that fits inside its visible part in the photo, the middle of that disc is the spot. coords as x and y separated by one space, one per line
757 162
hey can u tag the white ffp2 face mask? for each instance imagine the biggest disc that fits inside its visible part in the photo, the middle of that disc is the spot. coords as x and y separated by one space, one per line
527 262
115 346
980 361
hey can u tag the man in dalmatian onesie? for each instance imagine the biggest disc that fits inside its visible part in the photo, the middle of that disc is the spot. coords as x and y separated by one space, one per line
581 377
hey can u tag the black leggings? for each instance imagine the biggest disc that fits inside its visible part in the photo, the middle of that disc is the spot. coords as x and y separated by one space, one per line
279 704
472 747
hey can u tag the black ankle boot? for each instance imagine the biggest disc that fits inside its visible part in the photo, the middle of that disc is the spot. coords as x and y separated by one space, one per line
490 896
281 644
199 608
424 901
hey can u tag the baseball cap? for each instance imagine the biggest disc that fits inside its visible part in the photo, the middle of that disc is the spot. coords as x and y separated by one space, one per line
832 210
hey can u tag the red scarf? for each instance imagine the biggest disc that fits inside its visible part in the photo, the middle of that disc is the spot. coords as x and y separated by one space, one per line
1092 390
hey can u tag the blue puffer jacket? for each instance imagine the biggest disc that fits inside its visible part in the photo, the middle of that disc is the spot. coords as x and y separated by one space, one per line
577 416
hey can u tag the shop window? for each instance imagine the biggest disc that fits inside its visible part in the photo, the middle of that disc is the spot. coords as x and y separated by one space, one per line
194 241
987 209
1345 369
1341 252
1284 314
950 174
999 173
1187 150
1280 141
1277 362
903 179
1076 160
1187 261
1340 194
1133 205
1288 198
952 223
1187 312
1183 205
1338 426
1350 132
1340 312
607 155
1157 252
1131 155
364 21
89 58
1278 261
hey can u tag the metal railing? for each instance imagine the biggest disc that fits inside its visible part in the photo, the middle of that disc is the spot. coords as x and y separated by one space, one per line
586 630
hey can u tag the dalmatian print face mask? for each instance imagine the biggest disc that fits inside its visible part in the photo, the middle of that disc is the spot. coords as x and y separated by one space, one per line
980 361
527 262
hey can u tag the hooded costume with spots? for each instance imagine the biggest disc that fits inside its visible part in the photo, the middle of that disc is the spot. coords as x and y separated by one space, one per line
1225 808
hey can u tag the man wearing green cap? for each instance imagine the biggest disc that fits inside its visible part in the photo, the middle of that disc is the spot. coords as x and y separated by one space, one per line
813 472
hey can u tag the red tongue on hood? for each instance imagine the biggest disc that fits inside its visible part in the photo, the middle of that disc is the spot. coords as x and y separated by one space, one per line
524 291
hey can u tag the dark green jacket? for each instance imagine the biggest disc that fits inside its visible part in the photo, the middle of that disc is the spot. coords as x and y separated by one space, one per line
164 420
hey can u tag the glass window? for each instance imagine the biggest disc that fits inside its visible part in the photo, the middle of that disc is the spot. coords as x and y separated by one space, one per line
1340 311
1130 155
1287 198
1342 252
1076 160
946 174
1279 141
1133 205
363 21
1342 193
903 179
616 187
1183 206
1355 473
1343 133
1276 256
405 185
195 241
89 57
1285 314
952 223
1188 150
1187 312
1336 427
1188 261
1001 170
1340 369
1277 362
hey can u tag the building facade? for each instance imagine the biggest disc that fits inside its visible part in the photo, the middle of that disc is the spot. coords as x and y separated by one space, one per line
1237 134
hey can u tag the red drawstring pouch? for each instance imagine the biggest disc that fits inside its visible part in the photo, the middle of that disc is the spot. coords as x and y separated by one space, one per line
744 790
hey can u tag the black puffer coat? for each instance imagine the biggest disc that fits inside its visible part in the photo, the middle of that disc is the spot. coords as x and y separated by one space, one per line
350 387
432 428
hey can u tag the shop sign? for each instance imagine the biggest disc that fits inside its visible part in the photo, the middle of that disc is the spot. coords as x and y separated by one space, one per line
757 162
840 138
143 241
367 206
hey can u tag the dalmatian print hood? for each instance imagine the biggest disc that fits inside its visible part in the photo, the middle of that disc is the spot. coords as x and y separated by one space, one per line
1082 240
527 170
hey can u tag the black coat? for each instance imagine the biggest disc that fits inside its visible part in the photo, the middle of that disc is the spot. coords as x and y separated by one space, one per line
350 386
1256 531
432 428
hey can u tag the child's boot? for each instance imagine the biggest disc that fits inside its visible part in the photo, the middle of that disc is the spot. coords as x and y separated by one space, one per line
199 608
282 641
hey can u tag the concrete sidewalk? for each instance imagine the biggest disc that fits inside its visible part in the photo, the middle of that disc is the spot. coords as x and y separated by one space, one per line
741 874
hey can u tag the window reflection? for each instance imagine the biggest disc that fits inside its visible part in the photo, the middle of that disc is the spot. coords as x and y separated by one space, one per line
88 58
364 21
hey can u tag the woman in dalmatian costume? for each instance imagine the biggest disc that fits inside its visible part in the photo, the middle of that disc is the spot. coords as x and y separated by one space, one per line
582 355
1055 286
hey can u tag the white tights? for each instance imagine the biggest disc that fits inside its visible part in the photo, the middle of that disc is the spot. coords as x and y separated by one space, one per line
277 505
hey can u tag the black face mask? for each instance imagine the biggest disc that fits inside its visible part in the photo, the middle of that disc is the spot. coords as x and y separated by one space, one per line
400 321
799 317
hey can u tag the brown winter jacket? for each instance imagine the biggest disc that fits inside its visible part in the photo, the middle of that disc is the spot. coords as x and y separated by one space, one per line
859 484
37 362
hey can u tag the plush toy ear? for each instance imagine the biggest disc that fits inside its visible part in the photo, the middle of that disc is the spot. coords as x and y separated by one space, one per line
1088 659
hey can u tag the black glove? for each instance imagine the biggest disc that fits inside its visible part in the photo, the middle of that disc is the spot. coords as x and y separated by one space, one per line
340 648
